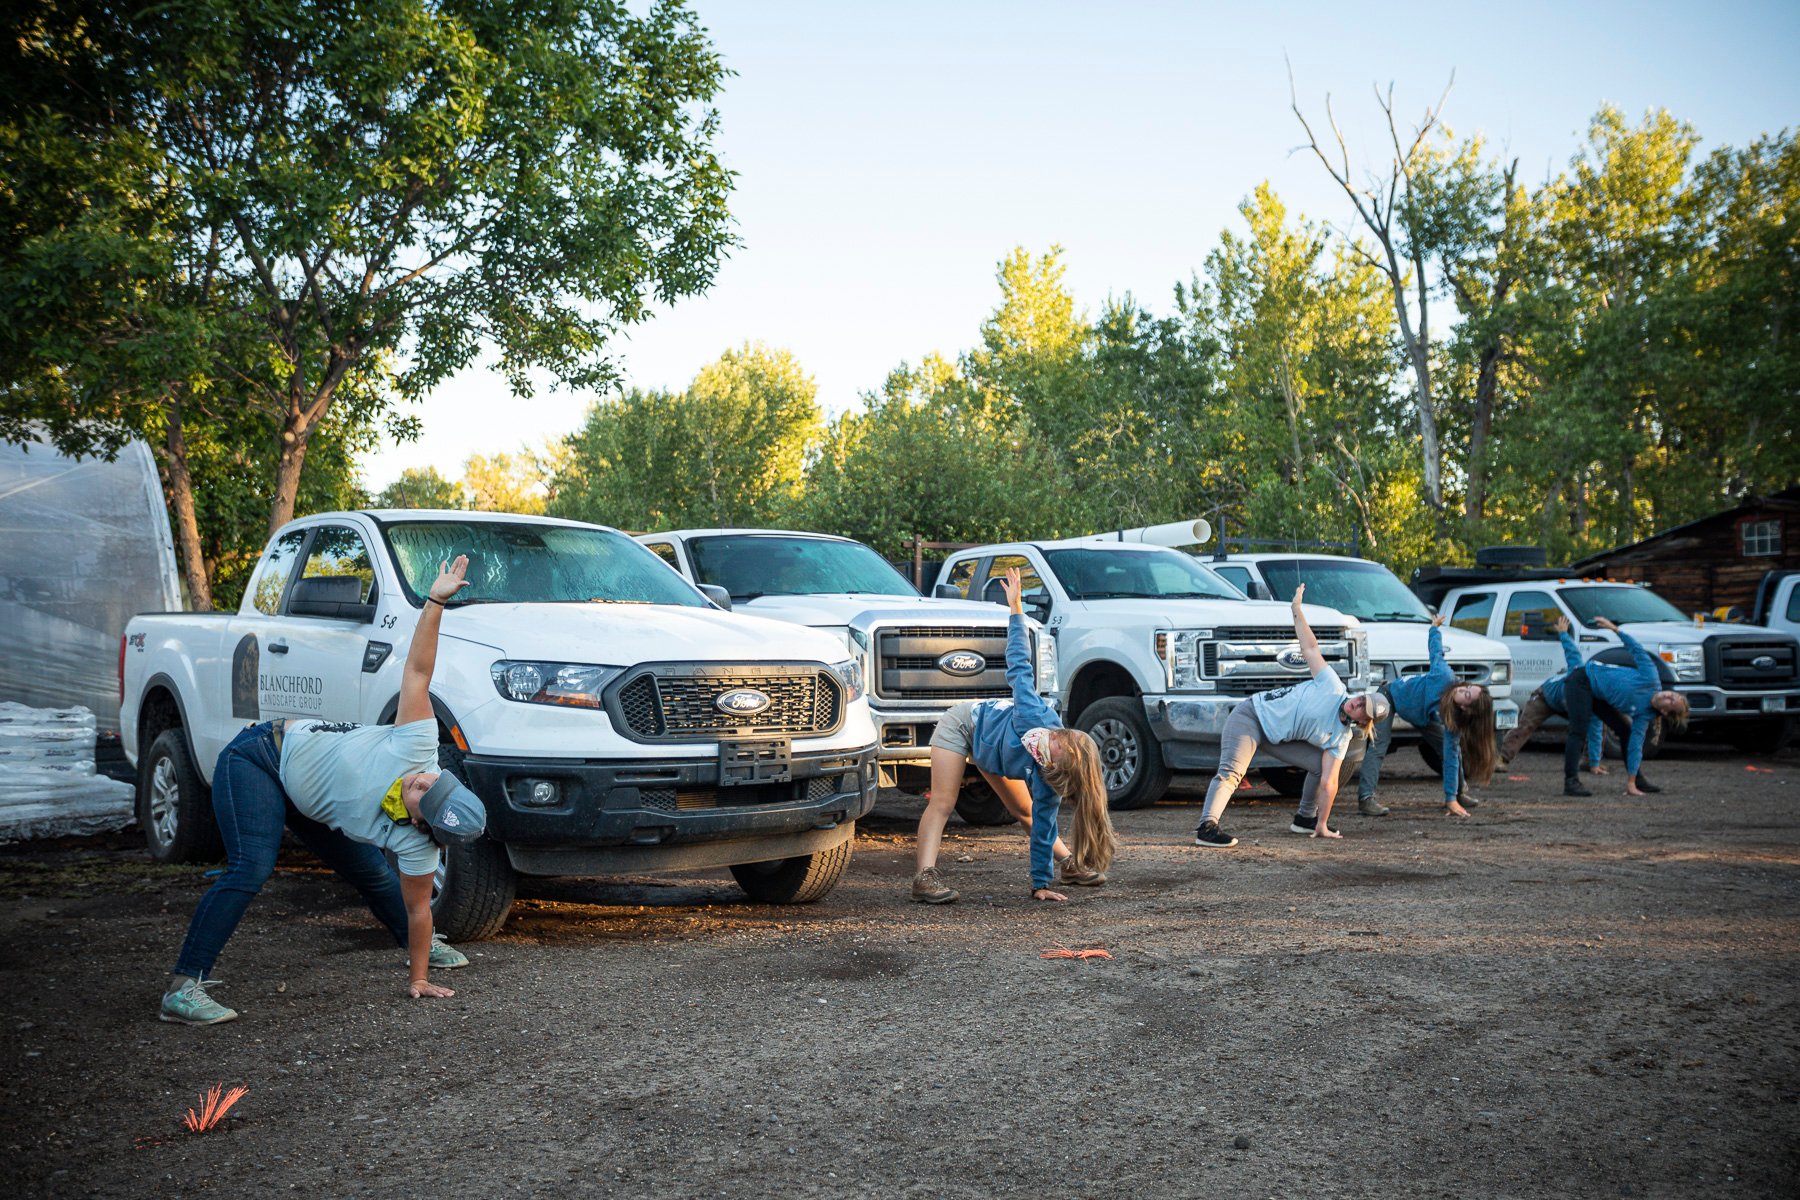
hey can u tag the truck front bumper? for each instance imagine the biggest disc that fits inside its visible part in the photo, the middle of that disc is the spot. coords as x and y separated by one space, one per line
600 817
1711 703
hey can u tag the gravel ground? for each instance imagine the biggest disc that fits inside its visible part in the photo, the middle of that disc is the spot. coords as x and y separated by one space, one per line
1554 998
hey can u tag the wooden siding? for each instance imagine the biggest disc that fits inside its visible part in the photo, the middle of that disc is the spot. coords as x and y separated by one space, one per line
1702 567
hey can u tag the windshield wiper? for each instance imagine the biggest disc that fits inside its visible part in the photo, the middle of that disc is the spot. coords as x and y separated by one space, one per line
1191 596
1399 616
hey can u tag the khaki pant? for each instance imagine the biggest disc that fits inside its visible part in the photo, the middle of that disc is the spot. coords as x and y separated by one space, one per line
1537 710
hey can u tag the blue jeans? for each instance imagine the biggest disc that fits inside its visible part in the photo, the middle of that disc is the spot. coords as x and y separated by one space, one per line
252 809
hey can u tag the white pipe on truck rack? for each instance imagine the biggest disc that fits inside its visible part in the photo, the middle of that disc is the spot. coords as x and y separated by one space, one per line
1174 533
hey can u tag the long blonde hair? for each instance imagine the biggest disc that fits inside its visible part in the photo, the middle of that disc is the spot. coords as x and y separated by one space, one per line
1676 716
1078 780
1474 728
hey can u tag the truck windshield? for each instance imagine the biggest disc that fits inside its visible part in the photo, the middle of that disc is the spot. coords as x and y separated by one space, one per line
760 564
522 562
1106 574
1622 605
1365 590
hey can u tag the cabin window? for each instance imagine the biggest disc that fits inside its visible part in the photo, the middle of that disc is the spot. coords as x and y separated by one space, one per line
1761 538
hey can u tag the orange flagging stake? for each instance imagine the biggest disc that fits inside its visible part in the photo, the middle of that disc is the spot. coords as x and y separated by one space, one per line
213 1108
1065 952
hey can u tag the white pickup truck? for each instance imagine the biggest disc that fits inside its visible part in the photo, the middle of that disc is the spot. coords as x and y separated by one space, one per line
1395 619
920 655
610 716
1742 682
1154 650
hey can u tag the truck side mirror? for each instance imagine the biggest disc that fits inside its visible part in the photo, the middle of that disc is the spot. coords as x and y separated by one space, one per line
1257 590
717 595
1036 605
947 591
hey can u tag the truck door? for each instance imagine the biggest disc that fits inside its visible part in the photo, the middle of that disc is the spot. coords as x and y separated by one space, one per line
312 662
1527 629
667 552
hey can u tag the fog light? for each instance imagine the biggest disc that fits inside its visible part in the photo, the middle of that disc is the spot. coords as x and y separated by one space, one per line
541 793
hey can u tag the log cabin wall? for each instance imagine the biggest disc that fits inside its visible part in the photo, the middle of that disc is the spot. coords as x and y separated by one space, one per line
1704 566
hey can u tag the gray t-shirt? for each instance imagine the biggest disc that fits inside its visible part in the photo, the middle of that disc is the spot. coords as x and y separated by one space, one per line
337 773
1306 712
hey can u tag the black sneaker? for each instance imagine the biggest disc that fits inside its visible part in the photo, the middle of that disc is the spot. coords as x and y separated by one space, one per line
1644 785
1209 834
1302 824
1573 787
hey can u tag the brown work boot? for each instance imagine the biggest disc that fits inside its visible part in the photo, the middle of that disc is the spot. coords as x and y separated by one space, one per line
1068 874
1368 806
928 887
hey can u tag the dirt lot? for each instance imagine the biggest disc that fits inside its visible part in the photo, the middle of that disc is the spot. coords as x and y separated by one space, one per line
1555 998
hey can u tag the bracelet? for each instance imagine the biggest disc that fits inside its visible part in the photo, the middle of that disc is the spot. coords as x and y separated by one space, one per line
434 600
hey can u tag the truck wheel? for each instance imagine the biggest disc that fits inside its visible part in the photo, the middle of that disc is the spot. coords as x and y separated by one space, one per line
473 891
799 880
977 804
1653 741
174 809
476 883
1130 758
1287 781
1759 737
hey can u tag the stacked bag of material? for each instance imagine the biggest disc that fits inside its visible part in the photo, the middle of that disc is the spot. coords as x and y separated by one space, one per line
47 783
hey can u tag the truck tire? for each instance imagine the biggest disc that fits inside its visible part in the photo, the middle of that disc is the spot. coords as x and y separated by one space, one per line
799 880
1767 736
1130 758
476 883
174 809
1287 781
977 804
473 891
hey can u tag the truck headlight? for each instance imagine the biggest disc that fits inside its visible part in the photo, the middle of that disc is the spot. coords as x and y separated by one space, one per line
1380 673
850 674
1689 661
1047 681
573 685
1180 652
1500 673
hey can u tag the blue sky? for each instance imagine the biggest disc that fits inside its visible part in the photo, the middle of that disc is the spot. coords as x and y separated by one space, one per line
890 155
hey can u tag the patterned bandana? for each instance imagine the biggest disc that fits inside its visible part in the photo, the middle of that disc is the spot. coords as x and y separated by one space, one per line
1037 744
393 805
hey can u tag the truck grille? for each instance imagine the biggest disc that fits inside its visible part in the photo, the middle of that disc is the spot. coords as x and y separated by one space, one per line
674 702
1464 672
1272 633
689 799
1737 658
907 658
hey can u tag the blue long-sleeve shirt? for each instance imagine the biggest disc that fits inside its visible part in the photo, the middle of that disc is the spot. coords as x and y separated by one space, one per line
1552 690
998 750
1417 697
1629 690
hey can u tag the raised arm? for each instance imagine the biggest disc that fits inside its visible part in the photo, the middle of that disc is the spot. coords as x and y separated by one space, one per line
1309 645
1434 644
421 656
1571 652
1029 709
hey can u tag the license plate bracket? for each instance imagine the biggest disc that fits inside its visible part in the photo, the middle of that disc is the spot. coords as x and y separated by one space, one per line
1506 720
1774 704
743 762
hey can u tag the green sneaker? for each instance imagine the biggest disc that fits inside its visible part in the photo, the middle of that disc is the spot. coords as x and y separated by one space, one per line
190 1005
444 956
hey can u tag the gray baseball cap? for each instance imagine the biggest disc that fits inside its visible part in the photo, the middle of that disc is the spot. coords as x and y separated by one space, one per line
1378 705
454 813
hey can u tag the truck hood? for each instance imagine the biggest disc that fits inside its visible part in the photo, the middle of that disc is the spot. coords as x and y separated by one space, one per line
1405 641
1684 633
833 609
619 634
1189 614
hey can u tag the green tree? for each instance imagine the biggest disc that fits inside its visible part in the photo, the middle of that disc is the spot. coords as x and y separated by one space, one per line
421 487
730 450
350 200
929 457
511 483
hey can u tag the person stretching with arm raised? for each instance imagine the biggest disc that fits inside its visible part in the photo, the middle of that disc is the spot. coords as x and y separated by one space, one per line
1306 725
1636 692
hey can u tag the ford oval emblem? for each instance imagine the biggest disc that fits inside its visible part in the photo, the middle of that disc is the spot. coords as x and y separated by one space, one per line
962 662
1763 662
744 702
1293 658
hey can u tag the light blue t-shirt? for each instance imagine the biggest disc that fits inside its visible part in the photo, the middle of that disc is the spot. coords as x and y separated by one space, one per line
1307 712
337 773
